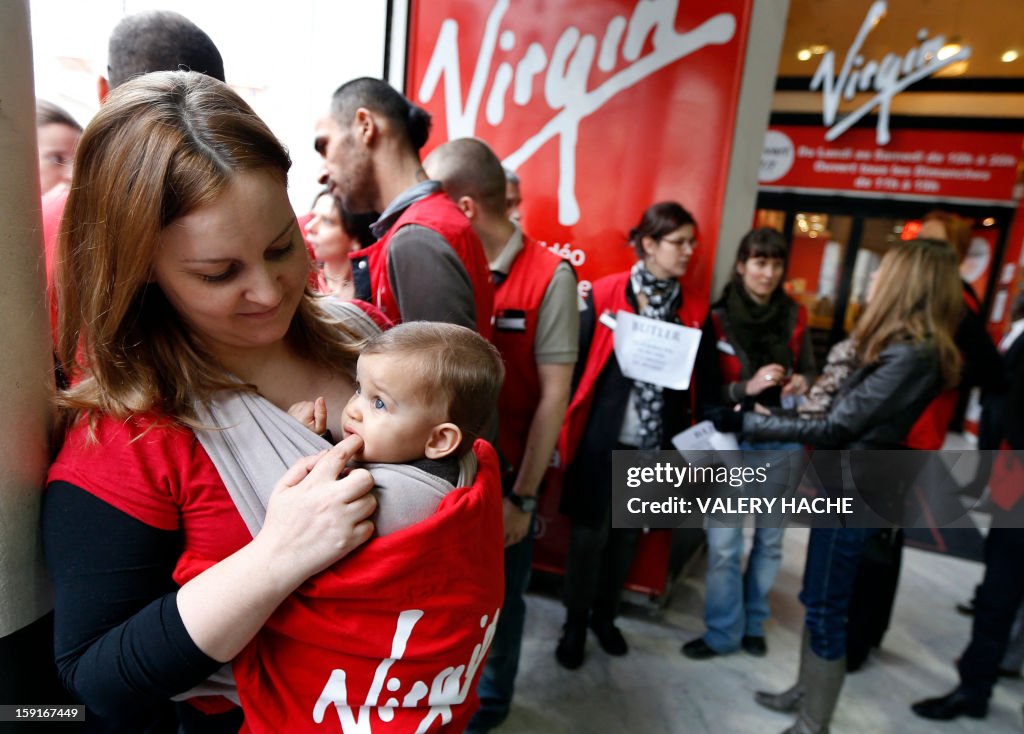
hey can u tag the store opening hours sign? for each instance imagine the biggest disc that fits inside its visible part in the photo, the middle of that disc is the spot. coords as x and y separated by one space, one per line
601 106
937 164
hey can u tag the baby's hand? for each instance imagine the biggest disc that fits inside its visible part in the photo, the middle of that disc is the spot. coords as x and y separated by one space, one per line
313 415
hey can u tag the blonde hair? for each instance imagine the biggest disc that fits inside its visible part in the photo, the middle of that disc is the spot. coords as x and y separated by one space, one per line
453 366
161 146
917 297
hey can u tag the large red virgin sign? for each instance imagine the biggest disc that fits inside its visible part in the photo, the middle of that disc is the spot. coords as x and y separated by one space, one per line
601 106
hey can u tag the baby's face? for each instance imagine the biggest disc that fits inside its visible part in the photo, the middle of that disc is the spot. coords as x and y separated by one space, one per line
389 412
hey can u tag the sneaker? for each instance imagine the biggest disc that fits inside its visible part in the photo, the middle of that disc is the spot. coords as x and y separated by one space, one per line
754 645
698 650
609 637
569 652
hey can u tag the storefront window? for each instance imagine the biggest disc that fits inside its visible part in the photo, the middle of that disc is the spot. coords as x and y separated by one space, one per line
817 250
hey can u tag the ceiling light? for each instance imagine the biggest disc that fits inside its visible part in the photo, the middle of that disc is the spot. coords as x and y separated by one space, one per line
988 221
819 49
1009 56
804 54
950 49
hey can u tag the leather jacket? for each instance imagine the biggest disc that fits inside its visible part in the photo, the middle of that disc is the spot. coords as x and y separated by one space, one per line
875 407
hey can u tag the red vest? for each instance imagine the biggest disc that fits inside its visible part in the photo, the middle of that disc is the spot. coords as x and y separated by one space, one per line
516 308
729 364
609 294
436 212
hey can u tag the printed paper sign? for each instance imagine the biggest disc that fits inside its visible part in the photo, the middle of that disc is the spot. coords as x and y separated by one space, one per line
654 351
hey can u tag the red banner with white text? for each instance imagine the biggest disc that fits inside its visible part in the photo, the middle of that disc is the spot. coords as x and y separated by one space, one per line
602 107
935 164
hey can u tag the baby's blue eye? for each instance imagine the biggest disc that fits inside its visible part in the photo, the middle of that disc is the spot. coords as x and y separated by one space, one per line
378 404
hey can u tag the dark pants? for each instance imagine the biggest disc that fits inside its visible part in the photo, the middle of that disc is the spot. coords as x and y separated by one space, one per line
596 568
833 557
497 682
995 605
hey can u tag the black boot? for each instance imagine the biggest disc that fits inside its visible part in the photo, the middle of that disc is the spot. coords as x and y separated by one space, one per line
569 652
608 635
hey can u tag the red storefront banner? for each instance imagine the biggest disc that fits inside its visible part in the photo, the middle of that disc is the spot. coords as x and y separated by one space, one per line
933 164
602 107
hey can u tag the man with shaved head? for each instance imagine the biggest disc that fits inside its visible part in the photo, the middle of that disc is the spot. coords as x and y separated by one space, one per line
427 264
158 40
536 329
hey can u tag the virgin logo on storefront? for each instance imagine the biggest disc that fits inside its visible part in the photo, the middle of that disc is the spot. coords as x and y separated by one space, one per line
887 77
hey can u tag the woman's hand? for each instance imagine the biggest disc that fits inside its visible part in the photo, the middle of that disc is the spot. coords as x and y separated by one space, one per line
768 376
727 420
795 385
313 517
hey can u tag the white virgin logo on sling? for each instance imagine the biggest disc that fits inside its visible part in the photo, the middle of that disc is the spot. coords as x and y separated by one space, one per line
565 82
450 686
887 77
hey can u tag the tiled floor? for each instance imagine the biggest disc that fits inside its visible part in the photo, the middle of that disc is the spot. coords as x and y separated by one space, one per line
655 690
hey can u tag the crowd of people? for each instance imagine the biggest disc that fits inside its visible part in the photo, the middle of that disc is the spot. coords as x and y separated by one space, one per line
313 447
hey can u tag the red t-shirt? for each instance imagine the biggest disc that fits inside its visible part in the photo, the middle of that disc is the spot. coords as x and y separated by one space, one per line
158 473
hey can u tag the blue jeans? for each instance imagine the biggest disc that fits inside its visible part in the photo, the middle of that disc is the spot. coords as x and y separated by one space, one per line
498 680
833 556
736 603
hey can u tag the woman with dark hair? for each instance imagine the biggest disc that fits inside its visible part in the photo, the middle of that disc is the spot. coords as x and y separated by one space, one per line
756 349
609 411
905 354
332 233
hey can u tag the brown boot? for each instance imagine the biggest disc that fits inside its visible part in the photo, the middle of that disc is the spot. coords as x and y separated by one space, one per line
788 701
823 682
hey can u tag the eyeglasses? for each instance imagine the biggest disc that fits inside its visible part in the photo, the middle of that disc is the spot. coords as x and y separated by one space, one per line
690 242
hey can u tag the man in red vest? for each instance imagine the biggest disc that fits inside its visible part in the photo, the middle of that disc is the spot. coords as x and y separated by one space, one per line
536 329
427 264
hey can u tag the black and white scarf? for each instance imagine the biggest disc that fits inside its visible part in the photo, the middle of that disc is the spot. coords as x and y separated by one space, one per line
663 298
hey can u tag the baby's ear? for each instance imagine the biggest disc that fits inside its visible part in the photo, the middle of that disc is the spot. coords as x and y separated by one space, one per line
444 439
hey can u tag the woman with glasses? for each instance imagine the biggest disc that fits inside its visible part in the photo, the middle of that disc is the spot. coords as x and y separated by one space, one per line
609 411
757 350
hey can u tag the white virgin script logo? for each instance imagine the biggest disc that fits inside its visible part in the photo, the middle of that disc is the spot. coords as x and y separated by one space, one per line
888 77
450 686
566 71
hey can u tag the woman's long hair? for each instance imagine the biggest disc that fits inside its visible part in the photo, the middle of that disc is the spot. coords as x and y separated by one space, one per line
917 297
161 146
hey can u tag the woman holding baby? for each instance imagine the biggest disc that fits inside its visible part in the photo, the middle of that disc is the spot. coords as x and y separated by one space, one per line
171 533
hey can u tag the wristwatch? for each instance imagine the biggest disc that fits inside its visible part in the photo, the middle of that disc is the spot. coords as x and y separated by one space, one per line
525 504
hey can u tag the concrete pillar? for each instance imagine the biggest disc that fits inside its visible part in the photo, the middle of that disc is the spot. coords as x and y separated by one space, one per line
764 43
26 367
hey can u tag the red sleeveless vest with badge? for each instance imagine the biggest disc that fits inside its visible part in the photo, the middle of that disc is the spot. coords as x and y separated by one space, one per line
517 304
438 213
609 294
